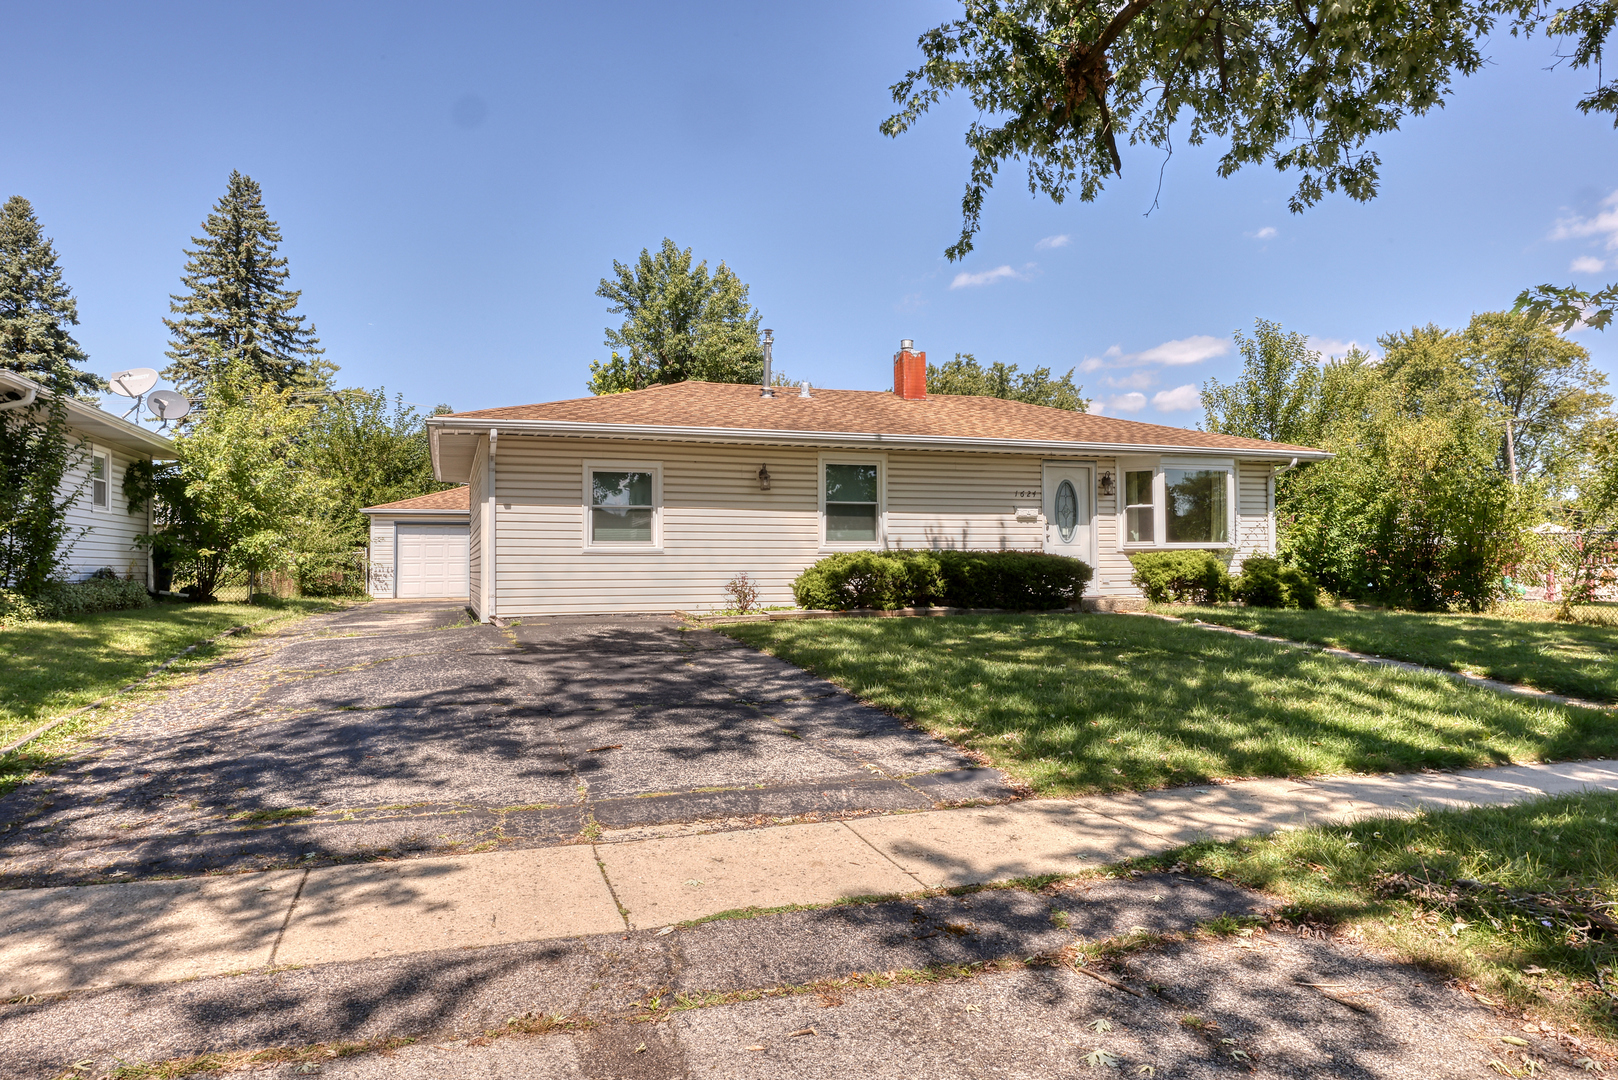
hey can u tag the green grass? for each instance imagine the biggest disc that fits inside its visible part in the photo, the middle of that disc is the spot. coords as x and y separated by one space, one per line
55 667
1565 847
1565 658
1083 703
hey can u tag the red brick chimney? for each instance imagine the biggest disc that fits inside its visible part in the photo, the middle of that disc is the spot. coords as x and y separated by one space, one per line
909 372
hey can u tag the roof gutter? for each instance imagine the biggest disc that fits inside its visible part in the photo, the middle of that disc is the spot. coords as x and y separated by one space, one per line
28 397
449 425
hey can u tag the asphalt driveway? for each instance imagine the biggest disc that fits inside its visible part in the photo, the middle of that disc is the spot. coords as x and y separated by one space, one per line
398 728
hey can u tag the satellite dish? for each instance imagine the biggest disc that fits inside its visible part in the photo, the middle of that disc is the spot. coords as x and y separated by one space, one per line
169 405
134 382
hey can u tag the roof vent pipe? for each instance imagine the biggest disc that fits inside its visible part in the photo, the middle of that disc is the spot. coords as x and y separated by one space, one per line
803 389
764 389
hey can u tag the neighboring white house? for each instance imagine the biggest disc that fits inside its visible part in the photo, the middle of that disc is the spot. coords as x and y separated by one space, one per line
101 526
652 500
419 547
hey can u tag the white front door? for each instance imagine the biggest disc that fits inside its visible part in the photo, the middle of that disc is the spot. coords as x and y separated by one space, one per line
432 560
1069 512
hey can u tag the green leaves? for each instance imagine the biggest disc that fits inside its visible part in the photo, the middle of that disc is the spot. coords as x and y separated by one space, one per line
680 322
1060 84
964 375
37 307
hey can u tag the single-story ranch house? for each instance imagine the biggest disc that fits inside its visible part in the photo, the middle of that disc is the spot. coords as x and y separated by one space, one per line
101 527
650 501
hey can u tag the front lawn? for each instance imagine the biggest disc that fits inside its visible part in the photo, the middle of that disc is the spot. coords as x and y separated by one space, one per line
1509 899
1565 658
1082 703
53 667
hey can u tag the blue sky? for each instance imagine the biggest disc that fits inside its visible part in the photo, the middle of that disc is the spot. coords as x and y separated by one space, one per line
453 181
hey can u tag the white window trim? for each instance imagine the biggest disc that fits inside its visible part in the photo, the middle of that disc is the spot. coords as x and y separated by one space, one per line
1160 502
623 548
95 452
881 463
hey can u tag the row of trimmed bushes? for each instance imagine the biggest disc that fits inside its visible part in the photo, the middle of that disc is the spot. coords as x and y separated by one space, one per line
1198 577
64 599
888 580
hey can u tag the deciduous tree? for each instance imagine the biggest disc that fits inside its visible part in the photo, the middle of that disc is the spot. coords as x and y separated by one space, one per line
239 490
1304 85
964 375
1287 392
680 322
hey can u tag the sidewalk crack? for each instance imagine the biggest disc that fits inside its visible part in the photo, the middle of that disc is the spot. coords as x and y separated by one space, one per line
282 933
623 912
849 826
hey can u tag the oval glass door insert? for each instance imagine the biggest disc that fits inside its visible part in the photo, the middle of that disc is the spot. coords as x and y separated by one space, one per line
1067 510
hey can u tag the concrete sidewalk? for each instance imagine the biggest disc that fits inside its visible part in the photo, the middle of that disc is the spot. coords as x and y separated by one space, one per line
59 939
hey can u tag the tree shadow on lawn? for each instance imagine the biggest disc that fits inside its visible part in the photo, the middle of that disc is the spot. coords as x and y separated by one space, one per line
1079 703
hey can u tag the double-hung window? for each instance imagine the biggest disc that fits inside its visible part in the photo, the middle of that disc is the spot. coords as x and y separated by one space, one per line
623 506
100 480
1177 504
851 497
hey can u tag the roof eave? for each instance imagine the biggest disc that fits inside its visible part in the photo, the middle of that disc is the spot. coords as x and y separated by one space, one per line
448 425
396 512
100 421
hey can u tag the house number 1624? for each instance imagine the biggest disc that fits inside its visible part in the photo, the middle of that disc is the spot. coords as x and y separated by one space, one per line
1030 493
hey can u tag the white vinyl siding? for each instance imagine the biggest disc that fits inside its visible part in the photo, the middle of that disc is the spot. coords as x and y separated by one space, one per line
478 496
1254 535
962 501
381 556
112 529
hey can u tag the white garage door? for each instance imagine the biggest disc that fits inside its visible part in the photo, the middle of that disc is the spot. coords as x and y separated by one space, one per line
433 560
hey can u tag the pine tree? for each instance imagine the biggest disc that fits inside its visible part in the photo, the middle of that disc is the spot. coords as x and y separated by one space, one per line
238 306
36 307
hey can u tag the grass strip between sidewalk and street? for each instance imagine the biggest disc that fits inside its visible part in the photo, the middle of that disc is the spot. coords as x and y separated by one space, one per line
1073 704
1562 658
1518 904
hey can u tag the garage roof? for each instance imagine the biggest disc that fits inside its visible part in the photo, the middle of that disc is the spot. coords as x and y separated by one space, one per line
452 500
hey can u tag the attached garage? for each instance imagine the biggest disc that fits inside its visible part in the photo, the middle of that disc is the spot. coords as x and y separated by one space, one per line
420 547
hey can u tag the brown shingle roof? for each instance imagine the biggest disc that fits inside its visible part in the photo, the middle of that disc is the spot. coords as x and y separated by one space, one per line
455 498
738 406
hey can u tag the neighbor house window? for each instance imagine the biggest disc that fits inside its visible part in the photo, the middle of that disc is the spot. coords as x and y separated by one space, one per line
100 480
1139 527
623 506
853 501
1194 506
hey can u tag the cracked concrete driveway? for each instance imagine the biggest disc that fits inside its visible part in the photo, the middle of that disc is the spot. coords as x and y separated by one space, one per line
397 728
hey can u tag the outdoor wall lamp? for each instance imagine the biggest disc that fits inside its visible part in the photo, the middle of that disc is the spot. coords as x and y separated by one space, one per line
1104 486
764 478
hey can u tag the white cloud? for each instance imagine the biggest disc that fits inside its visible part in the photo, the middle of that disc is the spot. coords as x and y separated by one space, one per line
1336 346
1127 402
963 280
1587 264
1191 350
1136 380
1603 224
1097 407
1266 233
1180 399
1090 363
1060 240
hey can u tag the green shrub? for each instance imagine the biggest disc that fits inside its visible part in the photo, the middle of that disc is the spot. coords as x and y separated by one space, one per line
1181 577
887 580
17 608
1264 582
64 599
